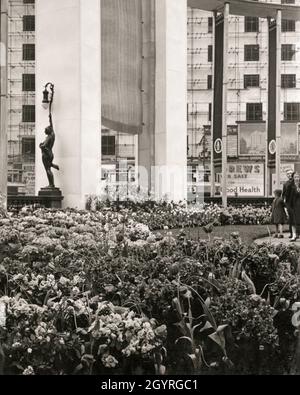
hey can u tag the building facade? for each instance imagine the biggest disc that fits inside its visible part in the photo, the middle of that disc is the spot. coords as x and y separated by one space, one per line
247 102
21 97
248 70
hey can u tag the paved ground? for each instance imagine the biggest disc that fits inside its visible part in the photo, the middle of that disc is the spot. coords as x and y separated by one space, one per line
272 240
248 233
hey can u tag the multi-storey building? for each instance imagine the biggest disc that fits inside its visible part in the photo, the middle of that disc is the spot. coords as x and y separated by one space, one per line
21 96
248 69
247 98
21 120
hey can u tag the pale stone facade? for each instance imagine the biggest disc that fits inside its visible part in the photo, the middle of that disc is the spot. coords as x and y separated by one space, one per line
73 65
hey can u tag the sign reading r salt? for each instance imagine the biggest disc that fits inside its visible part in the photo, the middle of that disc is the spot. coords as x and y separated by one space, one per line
245 179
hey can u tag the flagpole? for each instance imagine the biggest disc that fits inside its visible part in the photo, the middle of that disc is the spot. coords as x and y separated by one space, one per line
224 110
278 99
267 175
212 156
3 102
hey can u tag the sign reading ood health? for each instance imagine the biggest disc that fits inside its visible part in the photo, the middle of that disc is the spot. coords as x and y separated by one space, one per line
245 179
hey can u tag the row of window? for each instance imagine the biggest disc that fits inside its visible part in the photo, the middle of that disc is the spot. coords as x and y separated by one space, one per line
251 25
108 146
251 52
254 112
253 81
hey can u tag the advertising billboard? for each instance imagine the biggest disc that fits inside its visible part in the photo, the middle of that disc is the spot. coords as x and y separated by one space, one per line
245 179
289 139
252 139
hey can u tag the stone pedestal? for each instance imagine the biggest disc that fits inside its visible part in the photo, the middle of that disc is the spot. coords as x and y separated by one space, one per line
52 197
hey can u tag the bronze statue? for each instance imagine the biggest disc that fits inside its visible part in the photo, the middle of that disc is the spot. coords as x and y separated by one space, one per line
47 153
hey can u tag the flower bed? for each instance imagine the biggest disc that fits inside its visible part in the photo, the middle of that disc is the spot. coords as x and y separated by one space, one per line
160 215
97 293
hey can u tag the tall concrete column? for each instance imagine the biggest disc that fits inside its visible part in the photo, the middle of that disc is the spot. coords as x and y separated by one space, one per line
68 54
171 100
146 141
3 102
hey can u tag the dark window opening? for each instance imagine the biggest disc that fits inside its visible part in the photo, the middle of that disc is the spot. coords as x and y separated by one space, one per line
254 112
108 145
251 24
251 53
288 81
28 113
292 111
28 52
28 23
28 82
251 81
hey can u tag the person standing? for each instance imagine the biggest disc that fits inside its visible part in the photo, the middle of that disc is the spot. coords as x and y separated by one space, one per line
278 214
295 206
287 198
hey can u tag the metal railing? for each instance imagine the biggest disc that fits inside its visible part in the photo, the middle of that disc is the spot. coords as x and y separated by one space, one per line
16 203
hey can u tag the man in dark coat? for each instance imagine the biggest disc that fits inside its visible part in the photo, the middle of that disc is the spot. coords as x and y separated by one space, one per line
287 197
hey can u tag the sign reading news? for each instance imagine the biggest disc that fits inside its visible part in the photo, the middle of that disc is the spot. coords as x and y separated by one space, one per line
245 179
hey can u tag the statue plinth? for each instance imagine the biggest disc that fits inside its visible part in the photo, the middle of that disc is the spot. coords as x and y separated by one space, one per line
52 196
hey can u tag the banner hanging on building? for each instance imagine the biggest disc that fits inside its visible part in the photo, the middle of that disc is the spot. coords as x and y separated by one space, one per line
218 89
272 92
121 36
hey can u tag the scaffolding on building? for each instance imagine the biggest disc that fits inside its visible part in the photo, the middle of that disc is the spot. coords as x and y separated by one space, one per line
21 131
200 87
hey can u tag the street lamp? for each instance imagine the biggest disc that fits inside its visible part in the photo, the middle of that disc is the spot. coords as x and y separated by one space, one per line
48 95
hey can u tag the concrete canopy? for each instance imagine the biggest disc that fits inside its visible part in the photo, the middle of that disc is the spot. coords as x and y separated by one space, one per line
249 8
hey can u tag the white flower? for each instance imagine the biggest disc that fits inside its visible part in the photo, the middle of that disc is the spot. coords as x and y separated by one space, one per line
29 371
63 281
29 350
109 361
75 291
77 280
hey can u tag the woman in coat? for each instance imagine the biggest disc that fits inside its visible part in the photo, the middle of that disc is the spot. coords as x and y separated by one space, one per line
295 206
278 213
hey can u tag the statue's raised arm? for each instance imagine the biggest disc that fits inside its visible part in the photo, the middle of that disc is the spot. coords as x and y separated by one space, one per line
50 121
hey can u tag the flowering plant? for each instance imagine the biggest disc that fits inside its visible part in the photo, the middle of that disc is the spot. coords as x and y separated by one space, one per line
65 274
